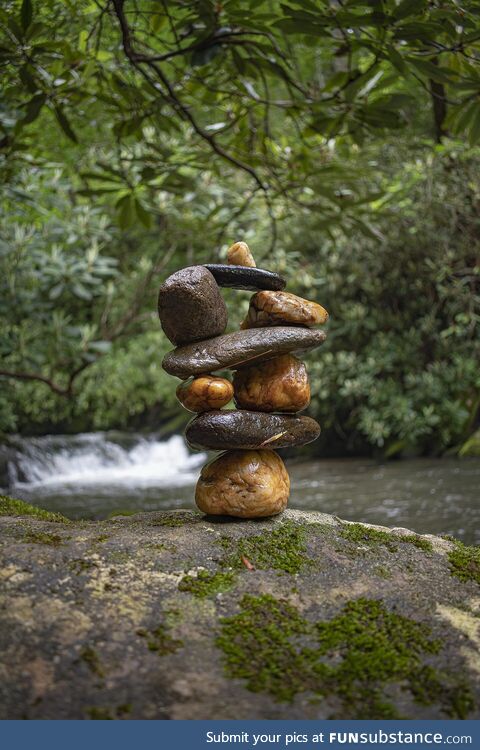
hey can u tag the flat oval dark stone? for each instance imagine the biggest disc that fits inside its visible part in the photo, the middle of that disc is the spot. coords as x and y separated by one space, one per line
190 306
232 350
249 430
244 277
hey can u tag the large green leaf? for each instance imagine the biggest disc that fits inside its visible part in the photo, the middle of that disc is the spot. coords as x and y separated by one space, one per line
64 123
26 14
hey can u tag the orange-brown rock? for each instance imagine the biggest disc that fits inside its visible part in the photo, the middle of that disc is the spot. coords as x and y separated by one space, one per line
205 393
283 308
246 484
280 384
239 254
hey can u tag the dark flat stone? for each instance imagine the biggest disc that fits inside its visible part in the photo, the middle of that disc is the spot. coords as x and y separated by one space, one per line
230 430
232 350
190 306
244 277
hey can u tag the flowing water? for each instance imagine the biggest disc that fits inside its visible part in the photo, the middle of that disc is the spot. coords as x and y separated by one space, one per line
97 474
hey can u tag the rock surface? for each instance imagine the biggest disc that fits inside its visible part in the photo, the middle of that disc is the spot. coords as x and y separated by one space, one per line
230 430
280 384
175 616
239 254
232 350
205 393
243 484
190 306
283 309
243 277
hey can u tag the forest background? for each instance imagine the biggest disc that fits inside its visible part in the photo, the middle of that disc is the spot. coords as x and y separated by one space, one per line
340 139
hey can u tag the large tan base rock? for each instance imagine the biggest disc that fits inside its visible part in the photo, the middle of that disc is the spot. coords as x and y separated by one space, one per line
245 484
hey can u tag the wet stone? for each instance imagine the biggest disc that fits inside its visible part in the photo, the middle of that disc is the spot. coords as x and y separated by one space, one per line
269 308
205 393
240 348
280 384
244 277
245 484
191 307
239 254
245 430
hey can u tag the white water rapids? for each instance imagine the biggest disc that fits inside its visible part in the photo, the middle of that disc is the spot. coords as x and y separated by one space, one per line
97 459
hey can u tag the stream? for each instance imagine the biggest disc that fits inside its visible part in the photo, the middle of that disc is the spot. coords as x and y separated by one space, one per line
95 475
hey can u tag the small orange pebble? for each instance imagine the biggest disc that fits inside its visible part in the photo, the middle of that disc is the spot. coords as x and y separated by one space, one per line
204 393
239 254
283 308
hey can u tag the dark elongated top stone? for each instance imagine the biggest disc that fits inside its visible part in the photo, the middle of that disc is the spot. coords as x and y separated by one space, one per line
230 430
190 306
232 350
245 277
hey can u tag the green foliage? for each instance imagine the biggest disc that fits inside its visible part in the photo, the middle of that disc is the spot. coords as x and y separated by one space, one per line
400 367
308 130
355 657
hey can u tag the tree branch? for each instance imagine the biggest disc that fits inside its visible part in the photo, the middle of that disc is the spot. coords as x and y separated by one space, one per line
439 102
36 376
137 60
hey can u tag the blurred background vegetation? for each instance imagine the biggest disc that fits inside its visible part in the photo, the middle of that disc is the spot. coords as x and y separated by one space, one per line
339 138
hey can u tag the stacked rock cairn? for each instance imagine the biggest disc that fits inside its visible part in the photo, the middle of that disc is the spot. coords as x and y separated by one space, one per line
269 385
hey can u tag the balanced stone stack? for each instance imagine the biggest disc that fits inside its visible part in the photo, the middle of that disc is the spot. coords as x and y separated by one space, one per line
269 385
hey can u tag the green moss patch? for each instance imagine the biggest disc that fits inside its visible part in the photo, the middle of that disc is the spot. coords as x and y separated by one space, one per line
360 534
42 537
418 541
176 518
355 656
465 562
90 657
383 572
160 640
120 513
100 713
281 549
80 565
172 521
101 538
9 506
206 584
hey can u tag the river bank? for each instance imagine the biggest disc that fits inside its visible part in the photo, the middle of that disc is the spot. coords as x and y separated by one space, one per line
93 475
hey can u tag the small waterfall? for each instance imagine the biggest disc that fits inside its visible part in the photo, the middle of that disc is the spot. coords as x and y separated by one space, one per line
100 460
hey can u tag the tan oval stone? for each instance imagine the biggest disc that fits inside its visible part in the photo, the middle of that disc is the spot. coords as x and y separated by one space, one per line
245 484
205 393
240 254
280 384
283 308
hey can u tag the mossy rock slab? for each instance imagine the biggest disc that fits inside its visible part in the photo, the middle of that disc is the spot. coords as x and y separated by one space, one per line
176 616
